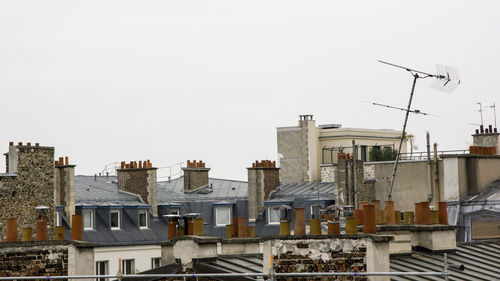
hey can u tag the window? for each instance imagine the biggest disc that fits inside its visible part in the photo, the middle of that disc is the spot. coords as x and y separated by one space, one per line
173 211
58 218
273 215
101 268
222 216
88 219
155 263
363 153
315 211
115 219
128 266
143 219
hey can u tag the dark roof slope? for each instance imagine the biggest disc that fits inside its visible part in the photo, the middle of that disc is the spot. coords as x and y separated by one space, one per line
480 259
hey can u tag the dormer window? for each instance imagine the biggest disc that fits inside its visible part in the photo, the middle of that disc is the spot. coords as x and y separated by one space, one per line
143 219
88 219
115 219
222 215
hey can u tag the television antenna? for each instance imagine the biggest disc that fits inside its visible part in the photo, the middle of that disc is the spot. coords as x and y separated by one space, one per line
494 113
481 112
446 80
416 111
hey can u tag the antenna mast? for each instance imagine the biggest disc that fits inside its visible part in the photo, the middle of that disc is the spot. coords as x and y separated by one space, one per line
481 112
494 113
446 79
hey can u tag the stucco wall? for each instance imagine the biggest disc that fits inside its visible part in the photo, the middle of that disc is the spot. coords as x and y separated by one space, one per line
141 254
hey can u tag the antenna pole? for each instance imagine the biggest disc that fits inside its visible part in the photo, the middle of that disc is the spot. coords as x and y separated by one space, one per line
494 113
415 77
481 112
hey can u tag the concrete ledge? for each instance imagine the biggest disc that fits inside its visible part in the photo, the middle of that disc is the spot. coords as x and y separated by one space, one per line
373 237
240 240
411 227
197 239
19 244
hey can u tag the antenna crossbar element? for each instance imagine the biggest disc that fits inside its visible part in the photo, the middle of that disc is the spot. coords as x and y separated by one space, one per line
446 80
416 111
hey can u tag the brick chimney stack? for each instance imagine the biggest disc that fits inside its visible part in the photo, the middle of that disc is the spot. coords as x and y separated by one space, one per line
195 175
65 187
486 141
263 178
140 178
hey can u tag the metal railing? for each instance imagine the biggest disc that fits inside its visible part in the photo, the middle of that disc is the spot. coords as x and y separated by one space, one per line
422 155
271 275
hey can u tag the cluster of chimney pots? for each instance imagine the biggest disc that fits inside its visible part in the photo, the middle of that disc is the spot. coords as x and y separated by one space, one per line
369 215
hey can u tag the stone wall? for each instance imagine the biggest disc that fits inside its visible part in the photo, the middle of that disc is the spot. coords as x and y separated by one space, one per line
327 253
31 186
29 259
328 173
46 258
317 255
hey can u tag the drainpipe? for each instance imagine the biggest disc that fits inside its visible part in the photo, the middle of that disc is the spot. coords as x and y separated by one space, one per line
436 173
429 163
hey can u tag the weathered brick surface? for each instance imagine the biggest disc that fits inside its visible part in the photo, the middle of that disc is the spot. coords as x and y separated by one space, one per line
32 186
195 178
134 181
308 255
34 261
271 181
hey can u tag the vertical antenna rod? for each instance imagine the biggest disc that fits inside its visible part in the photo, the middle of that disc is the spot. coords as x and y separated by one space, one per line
481 112
494 113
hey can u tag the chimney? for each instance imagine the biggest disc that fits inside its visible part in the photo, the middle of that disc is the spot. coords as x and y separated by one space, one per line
263 178
195 175
65 187
140 181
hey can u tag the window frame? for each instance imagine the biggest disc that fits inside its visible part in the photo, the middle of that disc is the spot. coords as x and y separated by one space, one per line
269 208
217 208
111 218
92 220
319 210
106 269
132 265
154 260
145 213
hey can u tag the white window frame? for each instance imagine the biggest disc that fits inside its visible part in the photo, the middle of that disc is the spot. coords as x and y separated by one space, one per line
153 262
145 213
92 213
124 267
217 209
173 211
319 211
119 219
106 269
58 218
269 209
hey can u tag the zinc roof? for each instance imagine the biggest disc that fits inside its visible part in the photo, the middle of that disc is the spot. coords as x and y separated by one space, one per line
480 259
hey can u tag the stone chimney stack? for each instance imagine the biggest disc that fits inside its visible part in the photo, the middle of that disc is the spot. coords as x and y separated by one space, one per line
486 141
65 187
28 184
263 178
140 178
195 175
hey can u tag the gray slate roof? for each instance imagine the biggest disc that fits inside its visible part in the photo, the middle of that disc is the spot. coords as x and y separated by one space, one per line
218 189
491 193
102 191
304 190
480 259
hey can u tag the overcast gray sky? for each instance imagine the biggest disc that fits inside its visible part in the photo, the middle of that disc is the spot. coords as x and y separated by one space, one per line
105 81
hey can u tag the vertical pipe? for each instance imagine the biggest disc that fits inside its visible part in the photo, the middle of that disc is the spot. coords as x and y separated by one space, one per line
429 163
354 157
436 173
